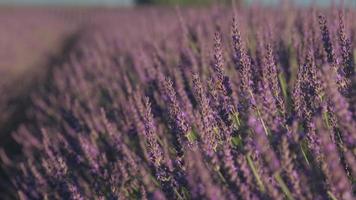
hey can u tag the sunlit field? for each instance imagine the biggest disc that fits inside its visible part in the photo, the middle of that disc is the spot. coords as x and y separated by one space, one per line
214 102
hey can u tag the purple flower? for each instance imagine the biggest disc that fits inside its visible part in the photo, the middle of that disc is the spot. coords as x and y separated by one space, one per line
262 144
154 149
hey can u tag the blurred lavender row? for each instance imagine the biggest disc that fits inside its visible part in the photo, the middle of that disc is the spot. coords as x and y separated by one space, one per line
196 103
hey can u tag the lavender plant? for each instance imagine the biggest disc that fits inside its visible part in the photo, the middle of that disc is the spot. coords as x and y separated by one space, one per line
209 103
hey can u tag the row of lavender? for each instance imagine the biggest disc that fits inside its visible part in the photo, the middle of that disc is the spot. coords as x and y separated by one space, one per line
28 38
198 104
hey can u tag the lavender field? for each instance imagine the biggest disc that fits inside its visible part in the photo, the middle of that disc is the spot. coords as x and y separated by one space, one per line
218 102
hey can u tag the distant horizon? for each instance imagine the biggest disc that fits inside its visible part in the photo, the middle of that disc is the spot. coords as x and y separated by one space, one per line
68 2
132 2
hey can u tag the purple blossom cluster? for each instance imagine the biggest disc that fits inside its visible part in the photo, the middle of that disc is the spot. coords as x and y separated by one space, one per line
211 103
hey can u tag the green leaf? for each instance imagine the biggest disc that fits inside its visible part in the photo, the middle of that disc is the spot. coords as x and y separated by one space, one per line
236 141
191 136
283 83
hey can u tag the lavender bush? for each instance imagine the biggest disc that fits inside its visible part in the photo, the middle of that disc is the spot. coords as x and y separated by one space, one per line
213 103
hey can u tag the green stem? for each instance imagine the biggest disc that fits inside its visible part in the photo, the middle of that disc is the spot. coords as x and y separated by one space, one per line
304 154
331 196
177 193
283 186
255 173
221 176
326 119
259 114
283 83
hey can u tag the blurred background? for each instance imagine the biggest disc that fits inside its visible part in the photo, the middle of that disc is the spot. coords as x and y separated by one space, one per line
137 2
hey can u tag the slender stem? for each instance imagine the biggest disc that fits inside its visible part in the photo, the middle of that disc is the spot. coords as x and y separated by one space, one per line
259 114
331 195
304 154
283 186
255 173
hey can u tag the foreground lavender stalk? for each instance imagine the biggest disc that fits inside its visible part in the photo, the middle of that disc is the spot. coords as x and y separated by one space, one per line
336 174
179 125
